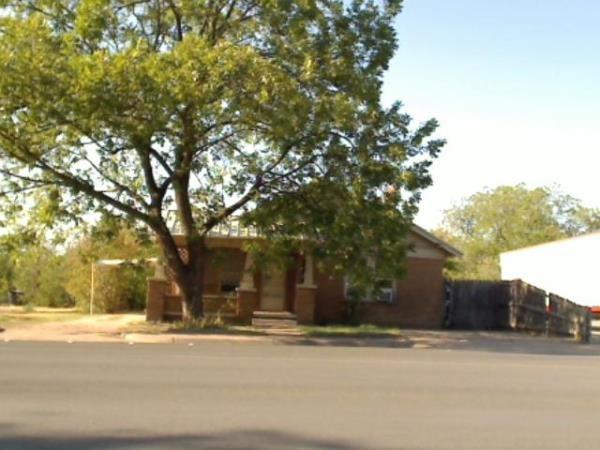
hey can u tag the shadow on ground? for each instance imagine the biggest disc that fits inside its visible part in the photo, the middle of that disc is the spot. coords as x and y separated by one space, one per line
393 342
234 440
495 342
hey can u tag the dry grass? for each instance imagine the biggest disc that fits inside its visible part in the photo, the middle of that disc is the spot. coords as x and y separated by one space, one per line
208 325
16 315
213 325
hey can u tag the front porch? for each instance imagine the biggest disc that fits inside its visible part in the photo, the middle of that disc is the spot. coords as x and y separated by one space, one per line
238 293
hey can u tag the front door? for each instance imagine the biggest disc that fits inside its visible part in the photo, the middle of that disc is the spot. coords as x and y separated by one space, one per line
273 291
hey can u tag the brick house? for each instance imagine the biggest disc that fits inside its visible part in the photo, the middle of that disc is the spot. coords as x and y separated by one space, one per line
302 293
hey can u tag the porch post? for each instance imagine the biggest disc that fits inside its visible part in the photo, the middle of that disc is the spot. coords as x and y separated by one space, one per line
309 269
247 283
155 295
159 271
247 296
304 307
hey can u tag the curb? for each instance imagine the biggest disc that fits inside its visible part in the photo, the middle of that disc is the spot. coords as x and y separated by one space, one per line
140 338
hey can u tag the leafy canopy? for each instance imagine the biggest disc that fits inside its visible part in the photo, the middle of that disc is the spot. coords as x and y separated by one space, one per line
507 218
47 274
268 108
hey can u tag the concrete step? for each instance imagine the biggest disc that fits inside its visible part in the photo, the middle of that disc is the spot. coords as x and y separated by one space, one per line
284 315
274 323
274 319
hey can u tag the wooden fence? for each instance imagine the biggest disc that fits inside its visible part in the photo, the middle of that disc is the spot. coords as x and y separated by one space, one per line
568 318
527 307
479 305
515 305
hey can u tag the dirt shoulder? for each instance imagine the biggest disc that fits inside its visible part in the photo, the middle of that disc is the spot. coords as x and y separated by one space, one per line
45 324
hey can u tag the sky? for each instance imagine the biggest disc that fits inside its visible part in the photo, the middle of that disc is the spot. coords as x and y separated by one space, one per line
515 85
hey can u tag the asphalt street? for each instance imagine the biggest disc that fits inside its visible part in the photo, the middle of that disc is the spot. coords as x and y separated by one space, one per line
255 396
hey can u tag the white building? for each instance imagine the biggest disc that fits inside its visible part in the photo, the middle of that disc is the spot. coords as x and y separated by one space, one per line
569 267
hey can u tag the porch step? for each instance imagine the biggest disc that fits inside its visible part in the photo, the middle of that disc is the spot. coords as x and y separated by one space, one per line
274 319
274 315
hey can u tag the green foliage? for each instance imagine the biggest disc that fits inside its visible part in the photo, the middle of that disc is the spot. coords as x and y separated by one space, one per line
206 323
35 270
50 274
269 109
6 275
117 288
360 331
507 218
40 275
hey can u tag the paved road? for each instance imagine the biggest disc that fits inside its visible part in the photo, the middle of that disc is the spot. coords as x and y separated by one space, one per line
254 396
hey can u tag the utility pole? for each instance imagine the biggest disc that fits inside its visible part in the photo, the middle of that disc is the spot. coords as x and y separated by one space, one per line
92 292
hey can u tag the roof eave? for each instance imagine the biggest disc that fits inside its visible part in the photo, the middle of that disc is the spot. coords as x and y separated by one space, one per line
447 248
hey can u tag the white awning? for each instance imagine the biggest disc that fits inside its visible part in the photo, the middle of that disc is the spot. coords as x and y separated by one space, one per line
119 262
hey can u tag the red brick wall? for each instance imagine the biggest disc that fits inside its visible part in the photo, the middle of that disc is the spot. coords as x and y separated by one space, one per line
212 271
419 301
329 305
419 296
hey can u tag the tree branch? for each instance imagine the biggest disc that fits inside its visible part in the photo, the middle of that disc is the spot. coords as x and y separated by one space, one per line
69 180
251 192
178 21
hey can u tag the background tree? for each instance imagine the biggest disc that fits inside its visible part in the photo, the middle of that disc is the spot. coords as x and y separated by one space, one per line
49 273
269 109
6 276
507 218
33 268
117 288
39 273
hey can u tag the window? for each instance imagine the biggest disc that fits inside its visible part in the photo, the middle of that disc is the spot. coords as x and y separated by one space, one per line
383 292
231 265
230 281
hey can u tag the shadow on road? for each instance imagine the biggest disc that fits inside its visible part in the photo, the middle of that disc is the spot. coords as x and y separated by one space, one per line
392 342
234 440
495 342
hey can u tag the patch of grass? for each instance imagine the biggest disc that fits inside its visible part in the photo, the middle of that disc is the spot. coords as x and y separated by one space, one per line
210 326
213 325
207 325
350 331
216 325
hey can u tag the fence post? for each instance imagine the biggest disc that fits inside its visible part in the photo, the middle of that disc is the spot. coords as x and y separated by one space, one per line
547 312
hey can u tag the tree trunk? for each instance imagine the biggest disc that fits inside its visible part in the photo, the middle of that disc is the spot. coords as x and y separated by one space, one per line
192 282
192 306
188 272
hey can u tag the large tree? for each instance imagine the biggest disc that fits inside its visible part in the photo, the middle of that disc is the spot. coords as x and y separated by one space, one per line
507 218
269 109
